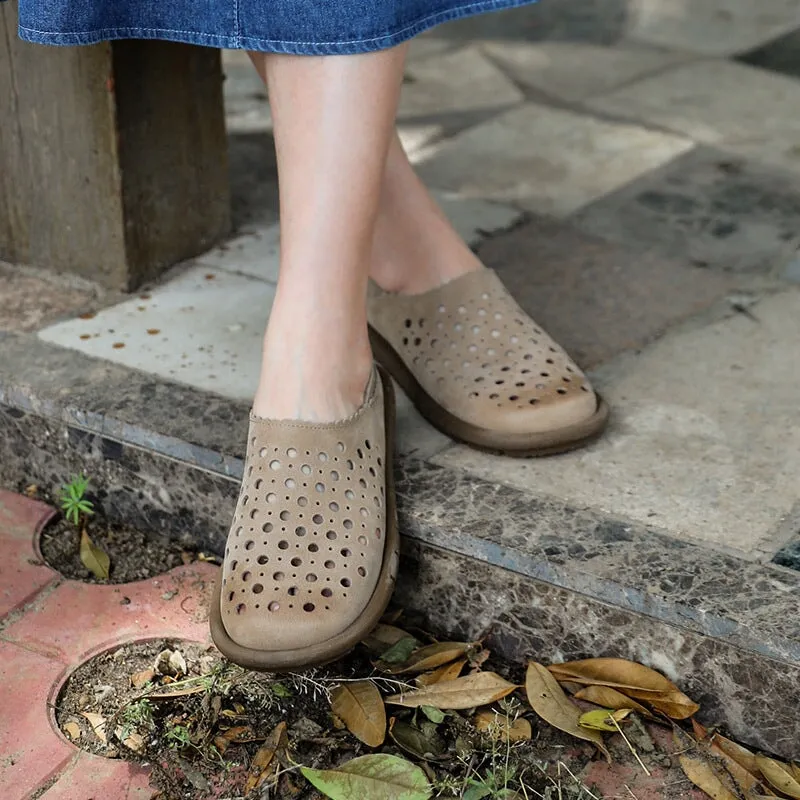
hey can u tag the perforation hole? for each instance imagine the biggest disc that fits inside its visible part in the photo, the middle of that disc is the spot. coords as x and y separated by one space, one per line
272 497
267 527
346 582
274 606
513 397
291 452
296 562
364 512
348 524
320 487
302 502
262 560
349 494
561 391
258 588
247 575
346 552
234 564
306 469
329 564
249 544
241 608
263 452
254 513
275 464
362 572
311 577
283 544
334 475
293 591
300 530
290 483
533 401
334 506
284 515
231 595
362 540
331 535
326 592
309 607
494 396
317 519
313 548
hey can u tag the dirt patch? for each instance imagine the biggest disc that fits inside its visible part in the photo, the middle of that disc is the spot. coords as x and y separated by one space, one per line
134 555
203 737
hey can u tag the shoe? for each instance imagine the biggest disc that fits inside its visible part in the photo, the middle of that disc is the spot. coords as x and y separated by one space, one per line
482 371
311 558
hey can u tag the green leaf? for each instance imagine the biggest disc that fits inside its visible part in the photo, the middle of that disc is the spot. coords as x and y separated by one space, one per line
477 792
377 777
433 714
86 507
93 558
399 652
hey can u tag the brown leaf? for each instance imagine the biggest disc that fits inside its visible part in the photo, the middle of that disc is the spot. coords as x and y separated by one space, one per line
360 706
741 755
548 700
780 776
796 770
237 735
744 779
632 679
140 679
607 697
94 558
499 726
383 637
467 692
264 764
423 741
98 723
432 656
448 672
705 777
134 741
73 730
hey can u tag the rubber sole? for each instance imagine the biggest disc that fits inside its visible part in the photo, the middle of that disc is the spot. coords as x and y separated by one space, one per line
529 445
340 645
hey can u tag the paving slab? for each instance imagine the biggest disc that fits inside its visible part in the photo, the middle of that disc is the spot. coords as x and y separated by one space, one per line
705 438
713 27
547 160
455 90
572 71
29 300
204 328
91 777
733 106
22 574
780 55
706 208
173 605
31 752
598 298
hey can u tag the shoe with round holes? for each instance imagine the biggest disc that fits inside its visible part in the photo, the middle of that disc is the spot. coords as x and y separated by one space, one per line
482 371
311 557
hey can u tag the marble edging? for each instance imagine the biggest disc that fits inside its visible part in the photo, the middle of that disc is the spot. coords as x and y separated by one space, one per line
752 606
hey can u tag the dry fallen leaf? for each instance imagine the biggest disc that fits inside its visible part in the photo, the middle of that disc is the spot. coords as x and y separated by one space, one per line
499 726
447 672
73 730
603 719
264 764
421 741
31 490
98 724
467 692
780 776
94 558
134 741
796 770
360 706
632 679
705 777
747 781
383 637
548 700
238 734
140 679
607 697
432 656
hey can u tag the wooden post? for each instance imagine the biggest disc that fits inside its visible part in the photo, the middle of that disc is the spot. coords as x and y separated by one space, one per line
113 157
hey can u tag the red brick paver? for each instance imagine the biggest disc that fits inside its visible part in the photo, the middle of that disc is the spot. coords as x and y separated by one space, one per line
48 626
22 575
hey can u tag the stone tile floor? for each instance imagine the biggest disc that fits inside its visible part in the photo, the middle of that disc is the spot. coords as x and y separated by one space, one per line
666 165
48 626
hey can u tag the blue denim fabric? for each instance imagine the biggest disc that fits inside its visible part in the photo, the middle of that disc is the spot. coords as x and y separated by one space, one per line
302 27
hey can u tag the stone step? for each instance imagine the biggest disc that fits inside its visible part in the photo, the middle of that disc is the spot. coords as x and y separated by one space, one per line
536 577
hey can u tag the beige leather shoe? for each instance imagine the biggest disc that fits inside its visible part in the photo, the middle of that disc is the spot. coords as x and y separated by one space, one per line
311 558
482 371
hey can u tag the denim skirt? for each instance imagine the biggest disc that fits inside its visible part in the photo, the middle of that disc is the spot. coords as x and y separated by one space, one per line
301 27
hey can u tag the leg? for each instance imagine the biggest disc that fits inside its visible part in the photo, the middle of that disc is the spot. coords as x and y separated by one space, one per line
416 247
334 118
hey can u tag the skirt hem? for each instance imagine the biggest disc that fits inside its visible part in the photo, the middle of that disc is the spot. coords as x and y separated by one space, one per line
239 42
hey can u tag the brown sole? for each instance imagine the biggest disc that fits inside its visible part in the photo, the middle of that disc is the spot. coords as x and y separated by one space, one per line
338 646
530 445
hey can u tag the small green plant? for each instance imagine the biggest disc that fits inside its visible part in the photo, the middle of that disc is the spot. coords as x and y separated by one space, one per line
178 737
74 502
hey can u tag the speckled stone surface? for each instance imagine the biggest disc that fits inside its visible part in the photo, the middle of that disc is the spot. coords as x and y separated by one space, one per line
706 208
754 698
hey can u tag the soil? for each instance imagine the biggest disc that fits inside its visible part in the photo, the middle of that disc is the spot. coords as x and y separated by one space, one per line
134 555
179 735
